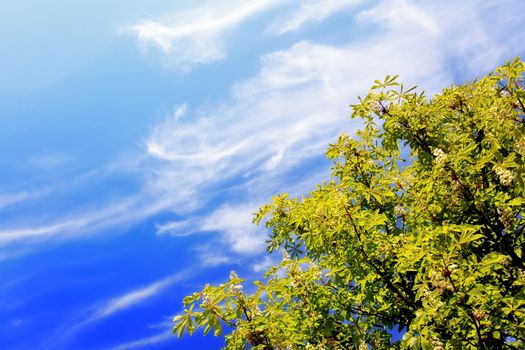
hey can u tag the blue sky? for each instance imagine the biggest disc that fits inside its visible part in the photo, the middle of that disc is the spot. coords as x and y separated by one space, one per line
137 137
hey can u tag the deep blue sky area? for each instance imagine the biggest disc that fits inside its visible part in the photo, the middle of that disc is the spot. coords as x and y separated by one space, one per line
138 137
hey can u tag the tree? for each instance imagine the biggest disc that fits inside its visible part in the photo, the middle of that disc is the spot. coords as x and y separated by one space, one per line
416 242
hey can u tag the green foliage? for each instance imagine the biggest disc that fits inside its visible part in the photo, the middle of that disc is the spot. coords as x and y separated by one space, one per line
430 246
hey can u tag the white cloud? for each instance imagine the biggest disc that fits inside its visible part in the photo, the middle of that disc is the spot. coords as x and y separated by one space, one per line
49 160
180 228
235 223
472 37
8 199
264 264
197 35
401 15
115 305
122 212
180 111
136 296
131 298
147 341
210 259
309 11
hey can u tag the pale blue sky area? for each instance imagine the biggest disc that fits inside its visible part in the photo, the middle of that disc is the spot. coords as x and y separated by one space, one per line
138 137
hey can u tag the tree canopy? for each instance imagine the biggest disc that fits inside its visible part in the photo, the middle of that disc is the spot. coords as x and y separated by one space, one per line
416 242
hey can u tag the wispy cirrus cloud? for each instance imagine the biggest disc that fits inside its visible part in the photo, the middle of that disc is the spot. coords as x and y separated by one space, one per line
146 341
297 103
309 11
120 303
136 296
12 198
235 222
197 35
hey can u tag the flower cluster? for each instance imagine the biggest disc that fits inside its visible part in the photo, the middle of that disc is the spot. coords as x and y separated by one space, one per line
378 108
206 299
505 176
286 256
479 314
399 210
520 146
440 156
233 275
453 268
236 288
437 281
363 346
521 275
506 217
504 93
256 311
375 104
426 294
437 344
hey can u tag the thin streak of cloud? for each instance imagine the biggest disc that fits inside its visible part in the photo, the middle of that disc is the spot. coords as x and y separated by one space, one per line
116 305
309 11
401 14
178 228
147 341
119 212
131 298
49 160
12 198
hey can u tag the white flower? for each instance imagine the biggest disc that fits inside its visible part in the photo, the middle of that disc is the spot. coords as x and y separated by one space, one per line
453 268
520 146
256 311
505 176
479 314
363 346
437 344
206 300
521 274
506 217
233 275
399 210
377 107
286 256
426 294
504 93
440 156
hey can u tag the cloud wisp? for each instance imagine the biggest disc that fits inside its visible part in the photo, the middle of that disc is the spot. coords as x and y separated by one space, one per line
307 12
147 341
116 305
197 35
12 198
131 298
